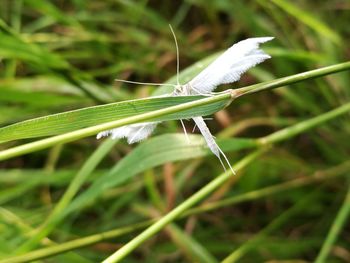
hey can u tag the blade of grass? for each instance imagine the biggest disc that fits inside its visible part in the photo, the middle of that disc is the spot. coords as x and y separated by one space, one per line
13 46
339 170
54 218
308 19
336 227
275 224
304 125
195 251
113 178
11 218
176 212
153 152
72 136
10 70
50 10
293 79
77 119
318 176
82 133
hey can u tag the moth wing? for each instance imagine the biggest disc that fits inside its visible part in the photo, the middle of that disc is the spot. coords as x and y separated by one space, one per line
208 137
133 133
230 65
212 145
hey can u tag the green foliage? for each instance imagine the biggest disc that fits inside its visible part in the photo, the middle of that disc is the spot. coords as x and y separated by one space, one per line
75 199
82 118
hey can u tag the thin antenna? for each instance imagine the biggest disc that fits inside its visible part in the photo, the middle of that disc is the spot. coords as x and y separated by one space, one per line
177 76
177 56
145 83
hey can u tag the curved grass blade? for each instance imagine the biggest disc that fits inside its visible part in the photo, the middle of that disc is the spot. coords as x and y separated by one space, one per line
309 19
77 119
81 177
151 153
335 230
180 209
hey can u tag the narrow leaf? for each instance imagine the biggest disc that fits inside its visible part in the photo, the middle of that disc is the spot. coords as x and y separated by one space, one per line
77 119
151 153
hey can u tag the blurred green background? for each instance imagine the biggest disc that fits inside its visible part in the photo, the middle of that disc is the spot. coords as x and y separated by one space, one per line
63 55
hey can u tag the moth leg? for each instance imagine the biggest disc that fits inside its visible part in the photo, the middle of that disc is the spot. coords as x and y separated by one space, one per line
202 94
222 164
220 92
184 128
227 161
194 128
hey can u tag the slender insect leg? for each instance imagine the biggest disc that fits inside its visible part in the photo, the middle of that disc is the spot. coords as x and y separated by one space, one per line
194 128
184 128
202 94
220 92
221 163
226 160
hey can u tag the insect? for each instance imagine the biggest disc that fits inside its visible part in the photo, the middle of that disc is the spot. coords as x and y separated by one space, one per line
227 68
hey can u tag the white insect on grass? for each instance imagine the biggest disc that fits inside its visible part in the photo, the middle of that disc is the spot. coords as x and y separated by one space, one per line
227 68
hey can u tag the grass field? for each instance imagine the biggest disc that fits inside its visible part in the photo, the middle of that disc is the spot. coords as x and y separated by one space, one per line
67 197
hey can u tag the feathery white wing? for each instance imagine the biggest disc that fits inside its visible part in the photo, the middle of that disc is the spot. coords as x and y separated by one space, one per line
133 133
230 65
203 128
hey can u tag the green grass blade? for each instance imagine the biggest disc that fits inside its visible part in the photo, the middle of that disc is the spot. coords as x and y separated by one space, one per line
316 73
50 10
339 170
77 119
304 125
334 232
193 249
162 114
13 47
176 212
54 218
309 20
237 254
151 153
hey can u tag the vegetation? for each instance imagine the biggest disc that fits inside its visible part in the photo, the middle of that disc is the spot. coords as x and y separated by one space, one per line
66 196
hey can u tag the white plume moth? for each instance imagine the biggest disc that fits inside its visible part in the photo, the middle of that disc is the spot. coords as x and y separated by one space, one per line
227 68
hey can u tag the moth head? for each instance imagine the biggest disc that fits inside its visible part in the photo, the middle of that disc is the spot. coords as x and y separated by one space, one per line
182 90
179 90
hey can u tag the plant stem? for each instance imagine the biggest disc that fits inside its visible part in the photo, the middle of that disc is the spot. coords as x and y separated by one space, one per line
82 133
292 79
175 213
78 243
55 217
339 170
271 190
237 254
304 125
337 226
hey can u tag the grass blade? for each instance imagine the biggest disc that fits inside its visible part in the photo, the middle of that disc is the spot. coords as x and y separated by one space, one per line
77 119
337 226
